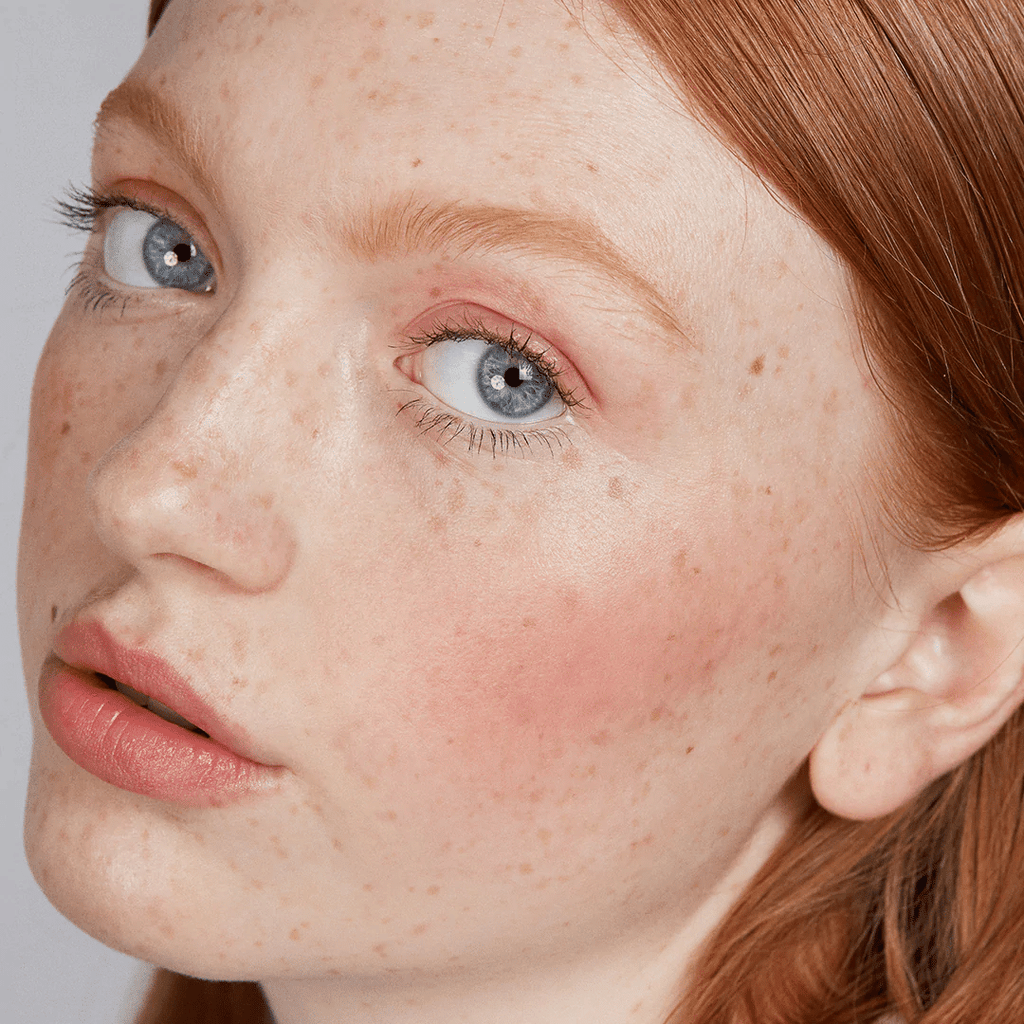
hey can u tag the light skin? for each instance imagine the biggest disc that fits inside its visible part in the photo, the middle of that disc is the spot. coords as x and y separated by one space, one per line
540 713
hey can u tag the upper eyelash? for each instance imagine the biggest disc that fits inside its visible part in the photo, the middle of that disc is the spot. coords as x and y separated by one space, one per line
81 206
510 343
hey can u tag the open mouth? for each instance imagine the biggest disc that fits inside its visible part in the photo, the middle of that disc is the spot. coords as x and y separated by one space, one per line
158 709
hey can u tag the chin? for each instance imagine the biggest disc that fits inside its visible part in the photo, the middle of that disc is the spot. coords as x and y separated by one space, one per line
95 852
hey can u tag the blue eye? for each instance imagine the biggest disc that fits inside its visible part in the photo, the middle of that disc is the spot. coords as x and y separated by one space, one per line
485 380
143 250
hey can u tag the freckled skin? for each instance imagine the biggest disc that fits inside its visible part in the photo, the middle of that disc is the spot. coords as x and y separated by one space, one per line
542 704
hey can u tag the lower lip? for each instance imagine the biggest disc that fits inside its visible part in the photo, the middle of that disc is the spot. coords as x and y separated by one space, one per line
115 739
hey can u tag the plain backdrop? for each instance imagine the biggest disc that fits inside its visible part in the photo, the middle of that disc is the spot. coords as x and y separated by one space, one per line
58 58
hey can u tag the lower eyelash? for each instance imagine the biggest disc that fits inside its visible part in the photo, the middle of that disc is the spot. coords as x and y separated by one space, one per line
499 441
94 296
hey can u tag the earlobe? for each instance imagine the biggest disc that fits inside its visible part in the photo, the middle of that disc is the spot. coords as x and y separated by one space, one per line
952 686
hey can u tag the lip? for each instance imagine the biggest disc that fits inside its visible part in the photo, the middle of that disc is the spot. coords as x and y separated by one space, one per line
112 737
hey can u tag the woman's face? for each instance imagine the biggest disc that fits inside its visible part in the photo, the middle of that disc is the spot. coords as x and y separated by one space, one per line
533 639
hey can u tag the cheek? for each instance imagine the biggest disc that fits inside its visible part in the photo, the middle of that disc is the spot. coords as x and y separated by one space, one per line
517 676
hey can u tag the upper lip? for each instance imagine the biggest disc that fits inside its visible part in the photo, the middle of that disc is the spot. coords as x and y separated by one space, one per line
87 645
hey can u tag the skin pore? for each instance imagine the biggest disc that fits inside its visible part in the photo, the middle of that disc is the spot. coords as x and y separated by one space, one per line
540 712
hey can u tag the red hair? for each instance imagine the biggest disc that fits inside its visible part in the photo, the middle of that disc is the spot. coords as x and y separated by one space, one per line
895 129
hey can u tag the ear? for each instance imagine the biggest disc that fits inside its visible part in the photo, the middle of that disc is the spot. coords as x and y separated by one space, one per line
954 681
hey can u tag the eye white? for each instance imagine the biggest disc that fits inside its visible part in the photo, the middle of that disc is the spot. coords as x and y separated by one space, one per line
122 247
449 371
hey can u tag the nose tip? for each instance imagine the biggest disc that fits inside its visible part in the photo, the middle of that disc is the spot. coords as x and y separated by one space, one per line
155 507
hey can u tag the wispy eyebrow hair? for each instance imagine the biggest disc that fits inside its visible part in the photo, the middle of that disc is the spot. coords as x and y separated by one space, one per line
406 224
135 102
409 224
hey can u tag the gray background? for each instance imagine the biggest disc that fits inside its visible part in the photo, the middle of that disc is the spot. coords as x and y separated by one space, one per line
58 58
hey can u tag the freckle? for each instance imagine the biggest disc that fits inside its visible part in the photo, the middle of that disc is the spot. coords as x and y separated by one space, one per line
601 739
367 887
420 929
425 19
380 950
772 675
679 560
772 651
757 367
505 156
416 162
576 79
689 749
315 82
53 613
529 623
294 935
615 487
433 890
65 428
526 869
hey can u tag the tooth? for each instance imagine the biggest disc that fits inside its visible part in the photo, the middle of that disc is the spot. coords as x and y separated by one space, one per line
172 716
162 710
139 698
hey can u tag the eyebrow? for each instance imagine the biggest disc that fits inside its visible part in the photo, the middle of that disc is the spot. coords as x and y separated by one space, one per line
406 225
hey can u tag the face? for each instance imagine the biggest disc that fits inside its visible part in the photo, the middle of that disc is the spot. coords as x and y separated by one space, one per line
484 447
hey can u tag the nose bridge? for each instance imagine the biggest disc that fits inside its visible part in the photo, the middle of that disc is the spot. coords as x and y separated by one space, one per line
201 479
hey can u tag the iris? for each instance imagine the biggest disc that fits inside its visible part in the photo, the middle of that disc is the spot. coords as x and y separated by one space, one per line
509 384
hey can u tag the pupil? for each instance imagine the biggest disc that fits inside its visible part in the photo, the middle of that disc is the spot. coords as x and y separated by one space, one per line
183 252
512 377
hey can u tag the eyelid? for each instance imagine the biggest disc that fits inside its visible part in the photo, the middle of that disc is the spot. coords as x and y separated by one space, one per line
472 320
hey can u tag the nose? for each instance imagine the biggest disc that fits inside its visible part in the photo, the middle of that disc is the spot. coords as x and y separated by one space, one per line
196 485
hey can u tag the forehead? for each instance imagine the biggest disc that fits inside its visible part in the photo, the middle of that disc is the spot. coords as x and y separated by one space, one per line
513 100
310 109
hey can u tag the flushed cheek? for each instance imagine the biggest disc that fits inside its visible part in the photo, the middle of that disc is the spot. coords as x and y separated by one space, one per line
557 705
